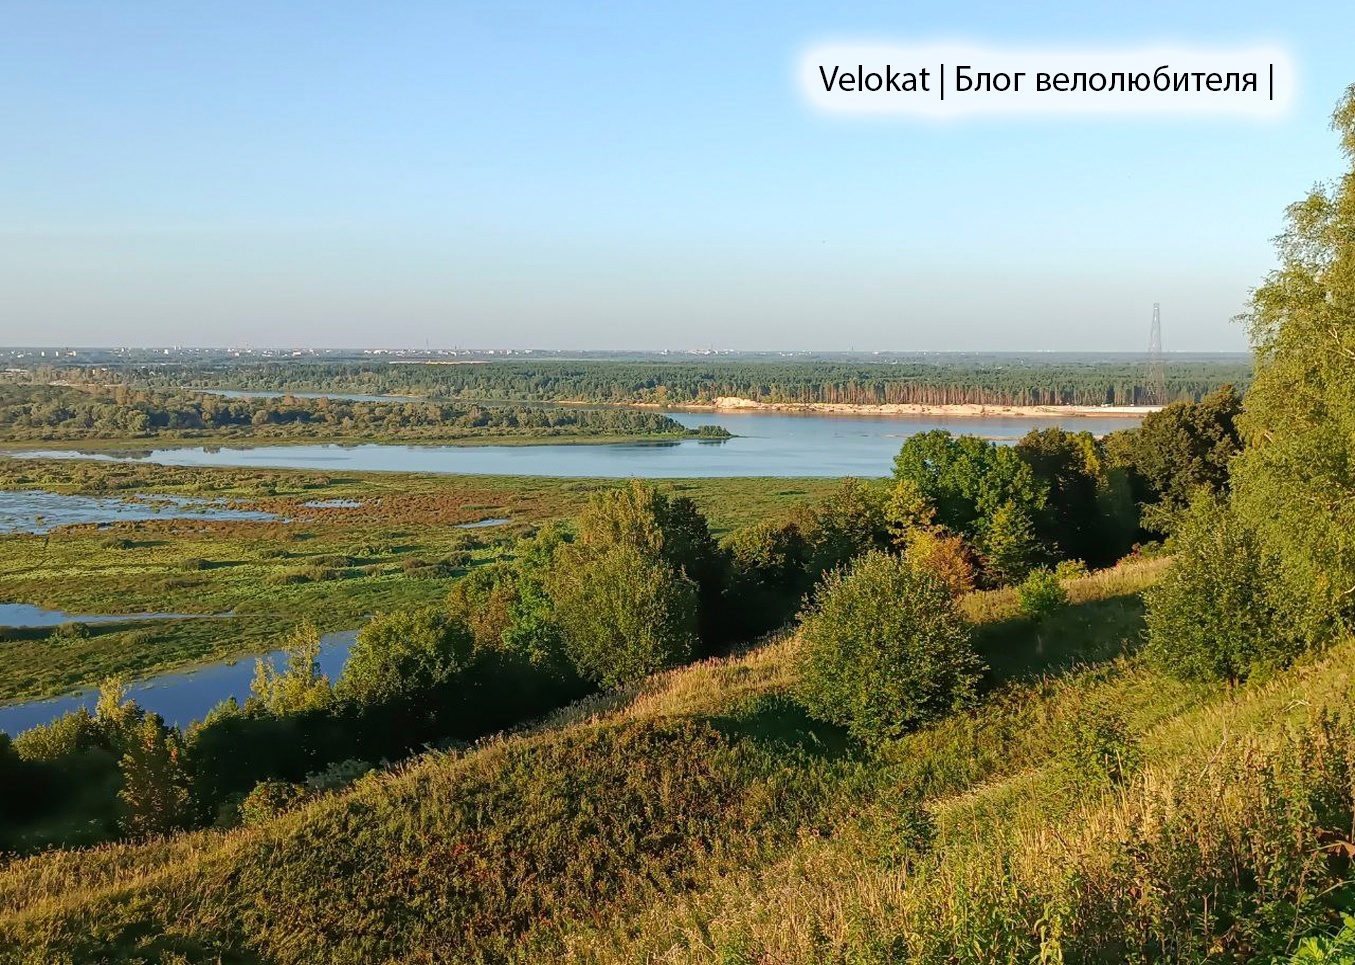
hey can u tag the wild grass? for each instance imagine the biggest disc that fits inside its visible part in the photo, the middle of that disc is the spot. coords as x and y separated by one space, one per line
698 816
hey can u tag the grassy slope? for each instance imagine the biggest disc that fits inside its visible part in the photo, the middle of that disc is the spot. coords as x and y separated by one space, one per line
348 562
698 817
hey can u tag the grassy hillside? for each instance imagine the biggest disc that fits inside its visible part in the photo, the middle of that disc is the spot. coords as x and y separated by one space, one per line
699 816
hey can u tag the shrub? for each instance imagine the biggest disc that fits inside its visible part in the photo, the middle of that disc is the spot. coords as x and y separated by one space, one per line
1099 749
269 799
72 630
406 652
1071 569
1041 592
1213 615
884 649
623 613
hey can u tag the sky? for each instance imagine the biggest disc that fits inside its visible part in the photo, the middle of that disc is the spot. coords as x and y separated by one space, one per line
621 176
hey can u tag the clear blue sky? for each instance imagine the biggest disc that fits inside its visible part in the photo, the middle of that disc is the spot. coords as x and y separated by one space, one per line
619 175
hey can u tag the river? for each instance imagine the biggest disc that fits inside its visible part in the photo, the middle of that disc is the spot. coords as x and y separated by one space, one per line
181 697
764 444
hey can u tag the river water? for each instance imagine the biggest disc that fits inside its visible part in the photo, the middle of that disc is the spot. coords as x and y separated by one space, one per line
765 444
181 697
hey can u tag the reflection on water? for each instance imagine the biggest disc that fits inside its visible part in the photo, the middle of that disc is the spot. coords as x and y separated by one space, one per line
180 698
764 445
38 511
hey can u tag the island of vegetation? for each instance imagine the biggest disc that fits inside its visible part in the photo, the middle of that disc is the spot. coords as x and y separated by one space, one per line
35 413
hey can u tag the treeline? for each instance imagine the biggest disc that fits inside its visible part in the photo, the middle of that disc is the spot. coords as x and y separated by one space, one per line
43 412
684 382
637 584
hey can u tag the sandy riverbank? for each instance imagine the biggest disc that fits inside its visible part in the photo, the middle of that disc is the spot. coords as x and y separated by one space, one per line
731 403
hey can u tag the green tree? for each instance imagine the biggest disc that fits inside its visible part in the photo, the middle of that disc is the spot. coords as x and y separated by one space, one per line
1089 514
624 613
848 522
966 479
1178 452
155 796
299 686
883 649
663 528
1213 615
766 575
404 653
1009 545
1294 484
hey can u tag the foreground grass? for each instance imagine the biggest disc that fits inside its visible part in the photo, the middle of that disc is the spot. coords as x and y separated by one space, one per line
334 566
698 816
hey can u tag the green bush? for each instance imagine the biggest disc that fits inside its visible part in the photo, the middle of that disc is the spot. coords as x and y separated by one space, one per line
269 799
1214 615
623 613
1041 592
405 652
72 630
884 649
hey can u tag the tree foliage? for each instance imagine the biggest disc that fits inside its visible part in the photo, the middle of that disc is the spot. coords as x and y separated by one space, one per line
883 649
1214 615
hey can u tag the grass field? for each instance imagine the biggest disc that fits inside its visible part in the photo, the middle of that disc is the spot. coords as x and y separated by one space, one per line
332 566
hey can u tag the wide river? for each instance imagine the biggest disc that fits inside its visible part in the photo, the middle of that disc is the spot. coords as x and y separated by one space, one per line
764 445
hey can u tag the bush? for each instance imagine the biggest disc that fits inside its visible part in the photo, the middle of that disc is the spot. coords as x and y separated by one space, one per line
1213 615
1099 749
269 799
623 613
1041 592
884 649
404 653
72 630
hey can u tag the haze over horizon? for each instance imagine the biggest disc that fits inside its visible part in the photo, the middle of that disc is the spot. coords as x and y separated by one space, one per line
585 176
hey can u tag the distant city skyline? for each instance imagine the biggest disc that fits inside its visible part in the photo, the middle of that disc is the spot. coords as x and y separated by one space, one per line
595 176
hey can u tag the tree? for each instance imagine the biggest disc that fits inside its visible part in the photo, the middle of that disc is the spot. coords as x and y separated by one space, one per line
155 796
966 479
624 613
848 522
1089 513
1294 484
1009 546
945 556
663 528
300 686
1178 452
405 653
766 576
1213 616
883 649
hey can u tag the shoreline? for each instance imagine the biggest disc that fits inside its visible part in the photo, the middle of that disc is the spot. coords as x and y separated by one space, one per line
962 410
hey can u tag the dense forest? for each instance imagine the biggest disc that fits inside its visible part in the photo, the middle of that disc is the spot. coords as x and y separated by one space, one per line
41 412
1123 382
